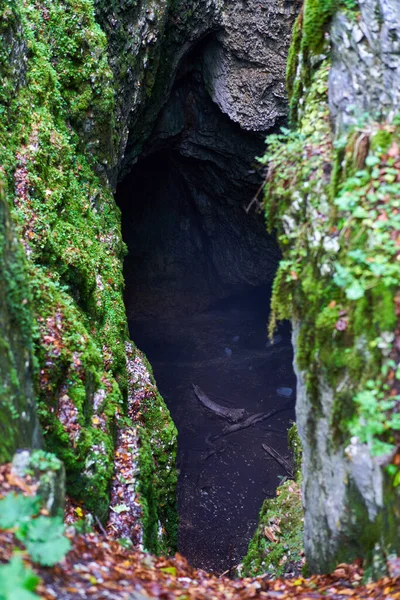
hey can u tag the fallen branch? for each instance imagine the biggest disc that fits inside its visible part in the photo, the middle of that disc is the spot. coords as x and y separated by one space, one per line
253 420
279 459
232 414
100 526
235 568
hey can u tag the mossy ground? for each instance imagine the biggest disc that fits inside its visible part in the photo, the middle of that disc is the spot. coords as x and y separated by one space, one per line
277 545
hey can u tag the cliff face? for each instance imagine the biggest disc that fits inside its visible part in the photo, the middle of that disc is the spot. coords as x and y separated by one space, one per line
245 59
57 136
83 86
333 193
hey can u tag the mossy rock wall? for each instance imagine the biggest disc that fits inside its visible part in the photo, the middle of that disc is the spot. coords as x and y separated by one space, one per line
57 138
19 426
333 195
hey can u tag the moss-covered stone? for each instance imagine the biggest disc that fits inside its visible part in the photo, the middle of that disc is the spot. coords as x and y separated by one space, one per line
18 419
334 203
57 136
157 458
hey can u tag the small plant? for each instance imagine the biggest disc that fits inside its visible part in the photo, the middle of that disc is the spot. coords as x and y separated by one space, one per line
17 582
44 461
42 536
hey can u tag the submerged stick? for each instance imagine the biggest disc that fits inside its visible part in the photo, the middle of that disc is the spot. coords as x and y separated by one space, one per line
279 459
232 414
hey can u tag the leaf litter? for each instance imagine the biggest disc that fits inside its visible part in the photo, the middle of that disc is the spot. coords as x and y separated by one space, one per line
101 568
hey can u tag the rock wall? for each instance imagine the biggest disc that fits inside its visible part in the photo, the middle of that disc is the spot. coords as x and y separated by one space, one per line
57 133
209 84
78 105
77 108
19 426
333 194
365 78
148 43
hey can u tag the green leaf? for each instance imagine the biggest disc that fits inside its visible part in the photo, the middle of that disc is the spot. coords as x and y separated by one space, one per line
371 161
378 269
396 480
45 540
380 448
120 508
16 509
358 255
360 212
355 291
342 276
17 582
169 570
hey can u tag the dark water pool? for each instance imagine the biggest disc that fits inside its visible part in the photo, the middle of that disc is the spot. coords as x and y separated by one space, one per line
223 482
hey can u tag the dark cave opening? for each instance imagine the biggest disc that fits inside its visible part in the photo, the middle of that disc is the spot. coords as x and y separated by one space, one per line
198 273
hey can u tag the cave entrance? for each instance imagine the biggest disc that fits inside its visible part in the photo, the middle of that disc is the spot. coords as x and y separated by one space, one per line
198 277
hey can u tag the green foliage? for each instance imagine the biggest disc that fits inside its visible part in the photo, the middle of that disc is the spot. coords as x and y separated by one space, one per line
309 42
16 581
339 272
16 347
316 16
297 450
286 512
44 540
43 461
57 135
42 536
55 132
157 459
16 509
375 419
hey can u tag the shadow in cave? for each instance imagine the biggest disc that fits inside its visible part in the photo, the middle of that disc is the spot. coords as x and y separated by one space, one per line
196 328
198 277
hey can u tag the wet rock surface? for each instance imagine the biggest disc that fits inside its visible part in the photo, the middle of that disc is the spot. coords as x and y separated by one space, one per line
223 480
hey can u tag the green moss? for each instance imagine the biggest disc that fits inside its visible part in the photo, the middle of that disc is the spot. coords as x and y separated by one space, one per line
317 14
56 132
381 140
18 421
335 209
157 460
296 448
283 517
338 275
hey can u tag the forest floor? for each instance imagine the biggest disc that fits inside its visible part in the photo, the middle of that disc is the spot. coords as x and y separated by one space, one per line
102 569
99 568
